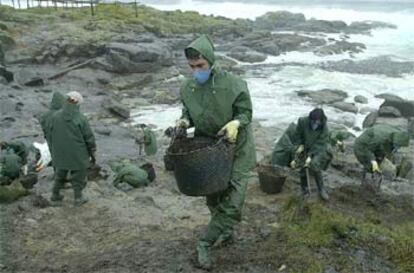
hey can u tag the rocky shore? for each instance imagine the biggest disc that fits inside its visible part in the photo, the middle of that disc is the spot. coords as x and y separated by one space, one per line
120 62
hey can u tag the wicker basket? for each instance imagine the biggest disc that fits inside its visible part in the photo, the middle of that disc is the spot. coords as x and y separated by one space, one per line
271 178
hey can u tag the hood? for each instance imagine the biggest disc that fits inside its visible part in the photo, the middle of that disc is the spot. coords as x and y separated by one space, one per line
205 46
400 139
57 101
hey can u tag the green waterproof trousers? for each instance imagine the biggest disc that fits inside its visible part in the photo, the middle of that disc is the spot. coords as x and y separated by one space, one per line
225 209
77 179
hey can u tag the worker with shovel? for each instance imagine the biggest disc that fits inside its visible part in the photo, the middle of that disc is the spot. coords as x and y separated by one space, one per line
312 137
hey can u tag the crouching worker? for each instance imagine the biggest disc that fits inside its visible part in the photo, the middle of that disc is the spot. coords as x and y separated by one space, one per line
285 148
376 143
135 176
312 140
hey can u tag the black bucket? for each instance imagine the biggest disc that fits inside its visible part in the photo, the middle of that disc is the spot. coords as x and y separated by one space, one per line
168 163
202 166
271 178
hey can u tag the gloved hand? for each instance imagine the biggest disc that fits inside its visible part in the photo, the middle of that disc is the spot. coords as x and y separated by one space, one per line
182 123
308 161
293 164
340 146
231 129
375 167
24 169
45 156
300 149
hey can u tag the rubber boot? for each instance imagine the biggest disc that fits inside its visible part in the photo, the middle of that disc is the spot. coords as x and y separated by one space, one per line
321 189
79 198
203 255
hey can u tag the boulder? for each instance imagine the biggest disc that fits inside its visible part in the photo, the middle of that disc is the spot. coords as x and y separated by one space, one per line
279 19
388 96
345 106
389 111
138 58
116 107
324 96
361 99
389 170
400 123
7 75
370 120
244 54
406 107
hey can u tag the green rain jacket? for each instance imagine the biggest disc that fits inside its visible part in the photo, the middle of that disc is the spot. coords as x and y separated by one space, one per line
19 148
338 135
285 148
131 174
150 142
315 142
56 104
378 142
223 98
10 164
72 139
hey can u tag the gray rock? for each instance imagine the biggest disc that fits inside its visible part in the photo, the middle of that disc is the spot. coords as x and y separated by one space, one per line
244 54
389 170
345 106
279 19
388 96
7 75
405 107
400 123
366 26
324 96
370 120
116 107
378 65
141 57
339 47
35 81
389 111
361 99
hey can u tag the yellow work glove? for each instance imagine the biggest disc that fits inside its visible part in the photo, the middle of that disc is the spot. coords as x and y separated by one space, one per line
375 167
182 123
308 161
300 149
293 164
231 129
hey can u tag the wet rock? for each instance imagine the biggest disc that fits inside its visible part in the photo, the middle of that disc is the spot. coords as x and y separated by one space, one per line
370 120
400 123
40 202
36 81
116 107
279 19
324 96
389 170
378 65
7 106
389 111
103 131
405 107
137 58
361 99
366 26
345 106
339 47
314 25
388 96
244 54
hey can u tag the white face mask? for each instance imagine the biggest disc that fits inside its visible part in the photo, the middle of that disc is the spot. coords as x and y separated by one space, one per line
315 124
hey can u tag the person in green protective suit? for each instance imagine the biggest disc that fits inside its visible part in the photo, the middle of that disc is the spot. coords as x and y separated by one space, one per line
18 147
285 148
56 104
215 102
73 147
312 140
133 175
147 139
337 138
10 166
376 143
